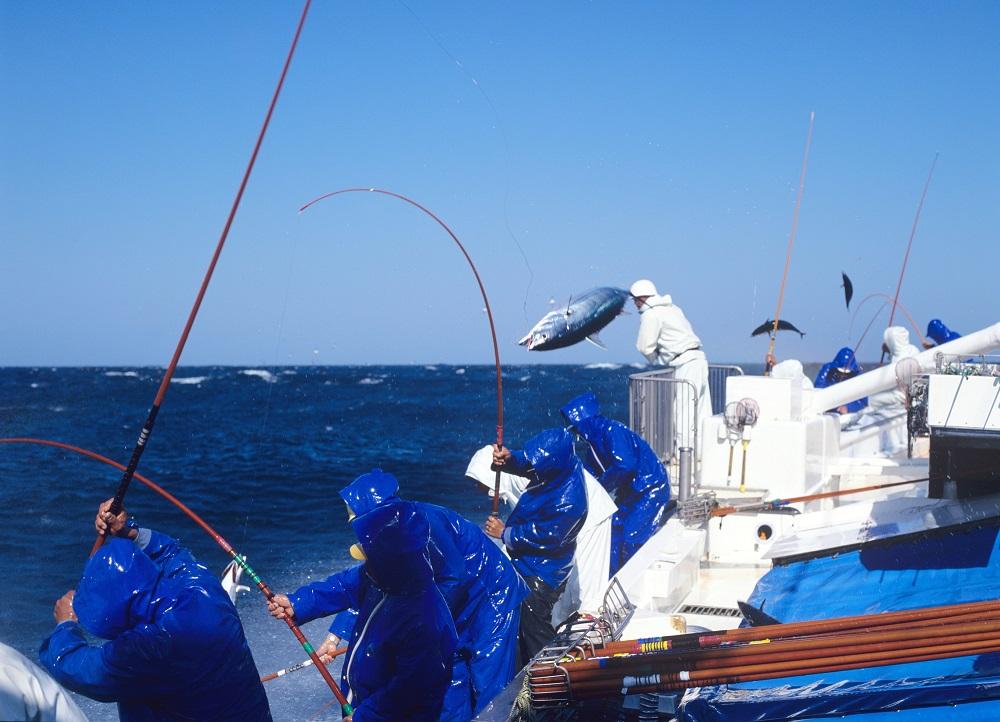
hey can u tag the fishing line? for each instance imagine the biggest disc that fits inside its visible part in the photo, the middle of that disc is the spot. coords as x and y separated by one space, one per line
886 302
482 290
791 242
147 427
218 538
909 245
506 148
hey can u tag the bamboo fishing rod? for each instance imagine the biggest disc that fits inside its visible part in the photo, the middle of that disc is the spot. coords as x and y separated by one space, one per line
218 538
909 245
300 665
147 427
683 679
753 634
791 242
482 291
777 503
770 650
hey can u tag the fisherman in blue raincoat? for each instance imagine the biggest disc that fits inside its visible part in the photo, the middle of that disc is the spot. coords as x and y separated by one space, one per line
478 582
628 469
540 533
176 648
399 660
843 367
938 333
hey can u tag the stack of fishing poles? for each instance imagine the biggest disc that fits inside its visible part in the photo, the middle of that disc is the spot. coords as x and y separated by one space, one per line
665 664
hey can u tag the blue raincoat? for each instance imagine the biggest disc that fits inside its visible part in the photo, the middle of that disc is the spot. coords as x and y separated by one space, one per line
399 662
540 534
939 333
176 649
482 590
843 360
629 470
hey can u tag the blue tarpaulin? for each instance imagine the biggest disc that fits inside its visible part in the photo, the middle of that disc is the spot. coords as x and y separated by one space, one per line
948 567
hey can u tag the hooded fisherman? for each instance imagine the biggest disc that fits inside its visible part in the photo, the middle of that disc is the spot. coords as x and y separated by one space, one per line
540 533
479 584
843 367
399 660
625 465
938 333
175 649
890 405
588 580
667 339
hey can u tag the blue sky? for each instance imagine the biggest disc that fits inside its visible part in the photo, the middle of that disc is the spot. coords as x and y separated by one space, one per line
611 141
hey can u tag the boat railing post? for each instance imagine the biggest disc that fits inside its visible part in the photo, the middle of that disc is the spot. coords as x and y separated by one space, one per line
684 485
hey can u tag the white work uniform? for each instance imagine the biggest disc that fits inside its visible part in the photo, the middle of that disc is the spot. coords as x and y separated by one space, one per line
892 403
27 692
667 339
588 579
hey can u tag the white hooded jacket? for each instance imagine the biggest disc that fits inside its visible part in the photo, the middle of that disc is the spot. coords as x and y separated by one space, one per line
664 331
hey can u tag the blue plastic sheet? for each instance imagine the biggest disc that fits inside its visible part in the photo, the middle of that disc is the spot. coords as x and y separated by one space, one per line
951 567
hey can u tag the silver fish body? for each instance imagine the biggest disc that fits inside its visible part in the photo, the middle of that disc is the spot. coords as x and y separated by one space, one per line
582 318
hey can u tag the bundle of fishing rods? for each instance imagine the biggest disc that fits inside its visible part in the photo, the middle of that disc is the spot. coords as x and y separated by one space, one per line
674 663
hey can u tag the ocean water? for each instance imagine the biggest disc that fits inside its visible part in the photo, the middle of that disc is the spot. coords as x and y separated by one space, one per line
260 454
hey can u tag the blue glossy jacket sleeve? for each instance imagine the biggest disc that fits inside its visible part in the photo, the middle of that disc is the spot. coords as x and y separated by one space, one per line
336 593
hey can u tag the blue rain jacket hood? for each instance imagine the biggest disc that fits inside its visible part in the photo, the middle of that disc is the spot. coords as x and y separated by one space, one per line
541 532
582 407
845 359
116 589
369 491
394 537
177 649
939 333
480 586
628 469
401 650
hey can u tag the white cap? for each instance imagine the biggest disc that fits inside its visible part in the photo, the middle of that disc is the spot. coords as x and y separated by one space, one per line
643 288
511 487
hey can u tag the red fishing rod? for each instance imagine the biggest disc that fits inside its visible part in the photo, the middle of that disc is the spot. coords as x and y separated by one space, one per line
909 245
486 302
226 547
791 242
147 427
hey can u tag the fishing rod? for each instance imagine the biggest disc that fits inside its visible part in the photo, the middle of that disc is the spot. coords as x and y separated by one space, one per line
700 640
909 245
777 503
147 427
791 241
218 538
297 667
486 302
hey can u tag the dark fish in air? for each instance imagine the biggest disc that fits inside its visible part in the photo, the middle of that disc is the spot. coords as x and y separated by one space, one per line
768 325
582 318
848 289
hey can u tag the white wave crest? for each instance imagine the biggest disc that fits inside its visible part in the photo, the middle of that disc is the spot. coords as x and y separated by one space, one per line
35 385
188 380
130 374
369 381
431 368
606 365
460 371
289 372
262 374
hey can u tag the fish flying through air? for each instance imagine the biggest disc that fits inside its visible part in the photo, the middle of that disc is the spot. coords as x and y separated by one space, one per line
582 318
768 325
848 289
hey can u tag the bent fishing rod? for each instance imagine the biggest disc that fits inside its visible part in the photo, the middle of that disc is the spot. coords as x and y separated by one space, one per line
218 538
791 242
909 245
482 291
147 427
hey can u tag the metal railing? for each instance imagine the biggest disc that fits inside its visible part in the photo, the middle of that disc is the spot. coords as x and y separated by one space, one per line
664 410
